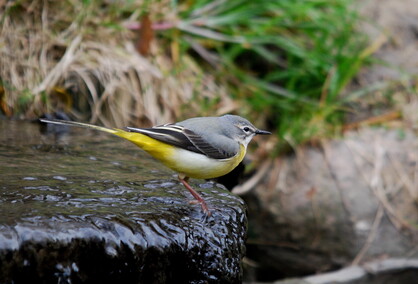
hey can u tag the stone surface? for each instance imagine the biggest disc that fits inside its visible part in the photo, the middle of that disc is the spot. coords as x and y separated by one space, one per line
392 270
93 208
395 23
344 202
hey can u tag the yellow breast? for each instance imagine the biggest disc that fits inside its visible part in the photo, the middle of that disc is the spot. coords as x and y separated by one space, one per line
196 165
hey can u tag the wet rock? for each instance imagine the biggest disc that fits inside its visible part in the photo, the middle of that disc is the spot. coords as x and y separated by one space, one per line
119 218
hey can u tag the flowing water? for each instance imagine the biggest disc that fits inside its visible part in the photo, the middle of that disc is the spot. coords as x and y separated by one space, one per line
69 166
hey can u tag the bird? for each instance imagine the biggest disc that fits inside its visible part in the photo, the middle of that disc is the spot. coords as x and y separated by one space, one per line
198 147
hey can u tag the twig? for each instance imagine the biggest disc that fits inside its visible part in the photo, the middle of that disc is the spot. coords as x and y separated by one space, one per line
251 183
335 179
376 188
410 185
370 237
389 116
56 73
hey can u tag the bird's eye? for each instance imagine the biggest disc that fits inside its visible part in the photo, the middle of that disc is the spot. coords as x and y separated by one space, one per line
246 129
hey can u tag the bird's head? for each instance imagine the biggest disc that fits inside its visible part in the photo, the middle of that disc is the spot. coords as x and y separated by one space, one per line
242 130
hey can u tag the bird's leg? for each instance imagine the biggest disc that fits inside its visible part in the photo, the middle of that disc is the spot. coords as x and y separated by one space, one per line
196 195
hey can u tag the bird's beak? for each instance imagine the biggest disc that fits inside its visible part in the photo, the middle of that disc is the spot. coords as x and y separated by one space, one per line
262 132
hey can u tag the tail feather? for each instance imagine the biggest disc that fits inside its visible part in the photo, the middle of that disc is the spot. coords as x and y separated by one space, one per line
80 124
150 145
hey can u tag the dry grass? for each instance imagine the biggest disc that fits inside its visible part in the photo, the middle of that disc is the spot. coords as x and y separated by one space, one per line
79 57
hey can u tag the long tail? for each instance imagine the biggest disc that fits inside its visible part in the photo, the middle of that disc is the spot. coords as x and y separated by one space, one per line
155 148
80 124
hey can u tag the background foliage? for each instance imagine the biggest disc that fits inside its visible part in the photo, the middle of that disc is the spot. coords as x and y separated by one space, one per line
283 63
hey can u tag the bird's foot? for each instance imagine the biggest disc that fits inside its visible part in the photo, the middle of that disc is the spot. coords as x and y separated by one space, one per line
203 204
199 199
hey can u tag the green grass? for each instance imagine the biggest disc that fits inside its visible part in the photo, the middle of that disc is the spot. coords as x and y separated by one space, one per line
291 60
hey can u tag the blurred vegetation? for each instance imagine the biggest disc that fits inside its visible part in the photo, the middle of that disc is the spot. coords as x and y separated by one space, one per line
291 60
283 63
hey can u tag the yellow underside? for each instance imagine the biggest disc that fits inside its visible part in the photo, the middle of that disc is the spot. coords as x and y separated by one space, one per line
184 162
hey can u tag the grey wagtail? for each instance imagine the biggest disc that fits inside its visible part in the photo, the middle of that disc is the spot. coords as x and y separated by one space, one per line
200 147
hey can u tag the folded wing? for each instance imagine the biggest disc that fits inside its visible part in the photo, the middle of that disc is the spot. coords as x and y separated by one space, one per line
184 138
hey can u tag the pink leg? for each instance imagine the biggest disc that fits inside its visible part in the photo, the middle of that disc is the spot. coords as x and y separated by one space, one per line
196 195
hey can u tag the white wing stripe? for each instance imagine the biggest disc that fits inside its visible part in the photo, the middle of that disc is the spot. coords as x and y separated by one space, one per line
151 132
170 128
